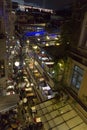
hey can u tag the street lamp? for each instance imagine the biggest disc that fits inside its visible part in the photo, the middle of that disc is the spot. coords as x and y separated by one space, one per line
17 63
28 41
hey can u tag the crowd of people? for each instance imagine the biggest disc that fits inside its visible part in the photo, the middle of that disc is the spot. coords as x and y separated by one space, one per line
9 120
20 117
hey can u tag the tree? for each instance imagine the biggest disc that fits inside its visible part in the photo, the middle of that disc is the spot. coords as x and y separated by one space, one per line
58 72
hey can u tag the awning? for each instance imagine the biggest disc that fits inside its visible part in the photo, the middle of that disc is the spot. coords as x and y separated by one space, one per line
56 52
8 102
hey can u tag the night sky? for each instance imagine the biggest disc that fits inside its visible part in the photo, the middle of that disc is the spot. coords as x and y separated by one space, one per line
49 4
52 4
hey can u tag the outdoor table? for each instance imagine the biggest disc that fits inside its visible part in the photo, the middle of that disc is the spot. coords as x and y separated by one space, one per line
28 89
38 120
30 95
33 109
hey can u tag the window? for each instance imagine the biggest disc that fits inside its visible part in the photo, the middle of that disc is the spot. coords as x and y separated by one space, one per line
2 68
83 37
84 40
76 77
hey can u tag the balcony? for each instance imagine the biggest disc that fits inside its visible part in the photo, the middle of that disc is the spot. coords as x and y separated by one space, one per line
79 55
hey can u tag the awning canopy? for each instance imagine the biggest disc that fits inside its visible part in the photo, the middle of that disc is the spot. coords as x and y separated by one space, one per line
8 102
56 52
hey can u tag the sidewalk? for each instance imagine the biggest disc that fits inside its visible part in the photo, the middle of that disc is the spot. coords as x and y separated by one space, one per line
77 104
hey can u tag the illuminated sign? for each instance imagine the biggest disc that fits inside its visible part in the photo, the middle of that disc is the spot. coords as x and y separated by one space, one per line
38 33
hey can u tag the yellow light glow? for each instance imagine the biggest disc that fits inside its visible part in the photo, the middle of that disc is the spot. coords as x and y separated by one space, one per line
38 39
56 38
27 41
47 44
35 47
47 37
57 44
60 64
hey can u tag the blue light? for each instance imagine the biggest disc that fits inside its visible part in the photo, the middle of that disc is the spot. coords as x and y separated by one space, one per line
38 33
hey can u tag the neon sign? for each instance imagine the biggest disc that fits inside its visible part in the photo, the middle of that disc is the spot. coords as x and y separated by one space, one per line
38 33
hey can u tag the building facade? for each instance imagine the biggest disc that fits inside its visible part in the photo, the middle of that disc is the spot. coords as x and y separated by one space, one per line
6 33
75 78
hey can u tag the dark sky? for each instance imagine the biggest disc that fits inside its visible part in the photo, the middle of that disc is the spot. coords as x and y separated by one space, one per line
52 4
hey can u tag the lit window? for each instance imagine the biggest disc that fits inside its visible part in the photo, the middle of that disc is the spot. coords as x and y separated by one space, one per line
76 77
2 68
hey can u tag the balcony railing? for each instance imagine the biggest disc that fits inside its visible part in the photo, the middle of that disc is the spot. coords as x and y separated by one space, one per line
79 55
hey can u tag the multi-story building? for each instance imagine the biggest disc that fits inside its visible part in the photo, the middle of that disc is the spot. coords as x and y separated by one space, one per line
6 33
76 68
